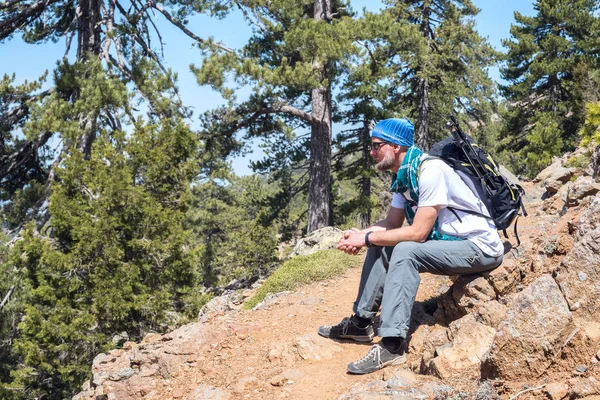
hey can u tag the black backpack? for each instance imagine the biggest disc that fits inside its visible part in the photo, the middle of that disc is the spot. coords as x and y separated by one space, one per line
503 199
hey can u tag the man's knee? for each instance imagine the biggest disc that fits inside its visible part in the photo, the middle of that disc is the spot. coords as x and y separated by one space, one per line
405 251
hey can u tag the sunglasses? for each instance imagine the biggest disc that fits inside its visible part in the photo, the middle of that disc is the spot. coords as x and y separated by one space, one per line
377 145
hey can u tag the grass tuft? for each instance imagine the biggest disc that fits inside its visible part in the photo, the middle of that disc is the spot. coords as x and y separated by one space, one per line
301 270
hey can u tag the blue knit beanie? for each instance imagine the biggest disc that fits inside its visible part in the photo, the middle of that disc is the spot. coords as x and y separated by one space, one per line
399 131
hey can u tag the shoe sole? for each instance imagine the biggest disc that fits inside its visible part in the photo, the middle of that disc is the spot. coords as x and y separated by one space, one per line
361 339
396 361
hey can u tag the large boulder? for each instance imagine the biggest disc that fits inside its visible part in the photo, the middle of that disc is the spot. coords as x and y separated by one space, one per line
583 188
555 176
577 275
537 325
470 341
321 239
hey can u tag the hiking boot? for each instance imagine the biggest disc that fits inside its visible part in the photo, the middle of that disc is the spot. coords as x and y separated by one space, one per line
378 357
347 329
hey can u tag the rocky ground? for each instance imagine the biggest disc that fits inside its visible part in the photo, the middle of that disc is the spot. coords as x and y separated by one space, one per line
529 329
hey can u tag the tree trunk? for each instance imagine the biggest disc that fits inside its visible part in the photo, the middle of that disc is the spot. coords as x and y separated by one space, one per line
88 43
320 142
88 28
320 160
365 181
422 129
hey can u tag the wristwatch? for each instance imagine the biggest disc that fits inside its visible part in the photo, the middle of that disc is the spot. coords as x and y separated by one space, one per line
369 244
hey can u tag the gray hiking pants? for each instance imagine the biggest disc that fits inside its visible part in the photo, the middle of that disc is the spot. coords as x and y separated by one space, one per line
390 277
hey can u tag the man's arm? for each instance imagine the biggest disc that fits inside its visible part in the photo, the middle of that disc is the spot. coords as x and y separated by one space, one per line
393 220
417 232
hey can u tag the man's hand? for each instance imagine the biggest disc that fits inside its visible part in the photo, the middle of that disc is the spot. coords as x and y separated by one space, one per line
352 241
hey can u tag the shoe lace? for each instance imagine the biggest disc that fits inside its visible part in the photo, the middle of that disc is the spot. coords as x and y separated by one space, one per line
374 353
344 325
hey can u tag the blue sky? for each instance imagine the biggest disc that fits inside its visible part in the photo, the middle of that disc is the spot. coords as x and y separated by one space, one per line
29 61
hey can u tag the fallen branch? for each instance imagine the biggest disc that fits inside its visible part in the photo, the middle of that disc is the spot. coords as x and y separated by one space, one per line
525 391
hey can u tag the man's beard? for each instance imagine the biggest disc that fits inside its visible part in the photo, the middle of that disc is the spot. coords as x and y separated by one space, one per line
387 162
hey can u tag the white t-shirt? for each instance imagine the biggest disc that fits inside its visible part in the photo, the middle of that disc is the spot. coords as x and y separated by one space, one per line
439 185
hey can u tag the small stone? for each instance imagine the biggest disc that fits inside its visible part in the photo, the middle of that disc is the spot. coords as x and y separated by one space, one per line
124 373
277 380
556 390
129 345
581 369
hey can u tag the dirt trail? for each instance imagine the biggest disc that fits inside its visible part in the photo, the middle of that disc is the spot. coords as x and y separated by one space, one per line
276 353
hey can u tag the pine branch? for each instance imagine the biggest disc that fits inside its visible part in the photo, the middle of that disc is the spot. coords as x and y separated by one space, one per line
182 27
10 162
10 3
8 26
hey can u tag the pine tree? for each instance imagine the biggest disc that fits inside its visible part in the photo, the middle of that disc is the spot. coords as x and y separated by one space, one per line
364 98
441 64
113 257
421 60
549 60
291 63
126 37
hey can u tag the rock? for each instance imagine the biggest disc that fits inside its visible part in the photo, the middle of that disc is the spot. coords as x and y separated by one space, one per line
217 306
504 278
585 387
402 379
311 301
205 392
120 338
487 391
537 324
321 239
470 341
491 313
465 294
583 294
554 176
280 354
122 374
315 348
271 299
583 187
151 338
428 337
287 377
244 383
556 390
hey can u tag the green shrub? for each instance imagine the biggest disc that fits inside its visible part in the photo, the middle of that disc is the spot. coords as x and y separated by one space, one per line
301 270
580 161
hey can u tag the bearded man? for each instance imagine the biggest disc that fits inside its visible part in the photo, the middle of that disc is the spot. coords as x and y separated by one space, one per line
444 236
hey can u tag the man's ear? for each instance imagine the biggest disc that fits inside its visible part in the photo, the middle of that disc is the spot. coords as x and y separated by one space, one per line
400 149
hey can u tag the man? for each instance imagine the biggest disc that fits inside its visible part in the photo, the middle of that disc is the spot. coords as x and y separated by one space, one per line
440 239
